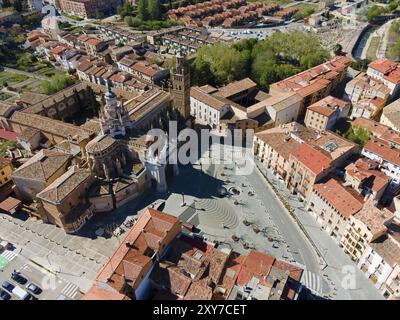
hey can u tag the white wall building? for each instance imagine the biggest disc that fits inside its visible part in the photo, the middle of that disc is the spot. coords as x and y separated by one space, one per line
207 109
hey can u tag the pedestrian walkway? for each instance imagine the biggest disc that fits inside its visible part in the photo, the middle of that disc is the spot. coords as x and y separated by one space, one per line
70 290
313 282
9 255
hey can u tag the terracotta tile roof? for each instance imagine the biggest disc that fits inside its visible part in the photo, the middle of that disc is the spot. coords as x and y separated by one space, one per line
345 203
364 170
279 142
102 292
327 105
5 108
9 204
42 166
94 41
373 218
171 278
236 87
207 99
257 264
60 188
313 79
135 244
383 150
383 65
376 128
388 248
146 68
313 159
100 143
4 162
392 112
48 125
58 50
199 290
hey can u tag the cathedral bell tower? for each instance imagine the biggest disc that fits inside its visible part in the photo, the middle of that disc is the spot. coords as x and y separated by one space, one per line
181 87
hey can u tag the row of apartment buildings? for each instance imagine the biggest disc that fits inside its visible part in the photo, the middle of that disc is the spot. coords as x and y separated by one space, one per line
225 13
345 207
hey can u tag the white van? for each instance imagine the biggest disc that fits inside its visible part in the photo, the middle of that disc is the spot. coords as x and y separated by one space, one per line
20 293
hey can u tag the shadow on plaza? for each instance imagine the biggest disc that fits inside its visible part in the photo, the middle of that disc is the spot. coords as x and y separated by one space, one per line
191 181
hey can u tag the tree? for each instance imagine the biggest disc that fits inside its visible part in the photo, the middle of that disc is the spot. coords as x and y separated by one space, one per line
153 9
394 51
126 9
358 135
142 10
57 83
393 5
338 49
99 14
224 63
273 59
374 12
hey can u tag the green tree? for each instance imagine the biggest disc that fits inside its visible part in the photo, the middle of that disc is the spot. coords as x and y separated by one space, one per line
394 51
225 64
338 49
99 14
374 12
142 10
126 9
153 9
57 83
393 5
358 135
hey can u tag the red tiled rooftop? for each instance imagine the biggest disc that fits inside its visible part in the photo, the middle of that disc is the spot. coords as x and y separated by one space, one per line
339 197
383 65
313 159
384 150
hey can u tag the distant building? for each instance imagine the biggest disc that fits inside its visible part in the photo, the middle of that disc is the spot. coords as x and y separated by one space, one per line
87 8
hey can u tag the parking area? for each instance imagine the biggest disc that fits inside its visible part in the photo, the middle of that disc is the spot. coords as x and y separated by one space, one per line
19 275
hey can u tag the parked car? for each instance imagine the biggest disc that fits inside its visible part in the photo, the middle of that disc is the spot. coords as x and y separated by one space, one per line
8 286
16 276
21 293
34 288
4 295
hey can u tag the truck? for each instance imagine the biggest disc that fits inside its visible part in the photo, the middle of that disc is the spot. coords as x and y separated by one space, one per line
20 293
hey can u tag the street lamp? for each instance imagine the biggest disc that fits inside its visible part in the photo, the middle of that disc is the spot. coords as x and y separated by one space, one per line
183 200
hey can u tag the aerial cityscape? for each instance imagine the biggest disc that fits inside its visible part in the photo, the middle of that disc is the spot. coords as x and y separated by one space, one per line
199 150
